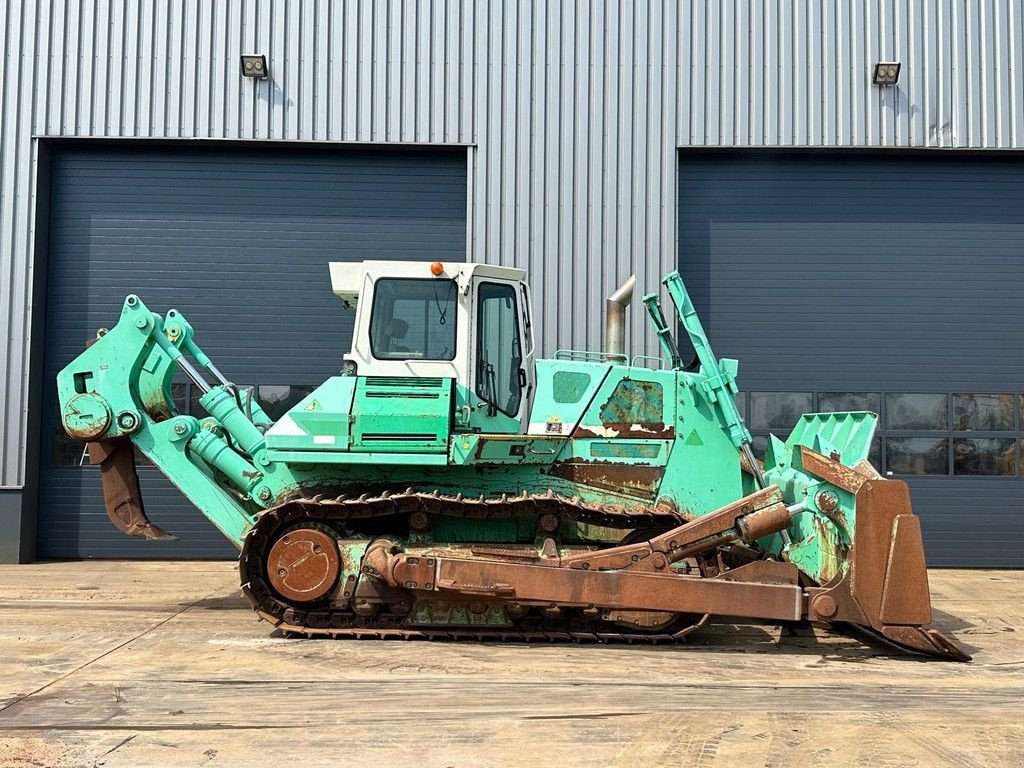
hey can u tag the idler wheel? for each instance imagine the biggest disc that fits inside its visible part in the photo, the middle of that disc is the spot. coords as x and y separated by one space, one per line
303 565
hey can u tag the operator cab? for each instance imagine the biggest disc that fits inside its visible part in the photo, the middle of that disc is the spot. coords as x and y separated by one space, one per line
467 322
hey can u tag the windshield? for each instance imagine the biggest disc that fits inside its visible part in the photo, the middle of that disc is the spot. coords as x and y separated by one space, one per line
413 319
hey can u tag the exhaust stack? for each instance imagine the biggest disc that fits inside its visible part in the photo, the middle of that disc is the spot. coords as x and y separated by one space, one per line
615 319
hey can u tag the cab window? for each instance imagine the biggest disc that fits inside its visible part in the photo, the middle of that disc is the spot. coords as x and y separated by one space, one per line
499 357
413 319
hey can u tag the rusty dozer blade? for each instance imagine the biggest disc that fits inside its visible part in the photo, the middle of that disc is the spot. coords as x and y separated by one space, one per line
885 588
121 493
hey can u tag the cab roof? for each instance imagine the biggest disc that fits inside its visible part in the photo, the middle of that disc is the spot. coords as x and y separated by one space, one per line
348 278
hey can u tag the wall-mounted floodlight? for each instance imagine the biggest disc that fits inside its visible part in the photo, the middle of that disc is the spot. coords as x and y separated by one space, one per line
254 65
886 73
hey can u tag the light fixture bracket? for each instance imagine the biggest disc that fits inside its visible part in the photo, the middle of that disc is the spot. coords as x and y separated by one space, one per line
254 65
886 73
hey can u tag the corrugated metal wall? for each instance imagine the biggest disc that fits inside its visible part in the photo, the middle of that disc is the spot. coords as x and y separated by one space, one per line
575 109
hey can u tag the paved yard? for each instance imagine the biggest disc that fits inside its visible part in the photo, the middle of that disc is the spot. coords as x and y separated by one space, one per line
139 664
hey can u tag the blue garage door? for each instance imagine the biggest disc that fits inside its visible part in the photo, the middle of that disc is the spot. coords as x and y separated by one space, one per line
890 282
238 240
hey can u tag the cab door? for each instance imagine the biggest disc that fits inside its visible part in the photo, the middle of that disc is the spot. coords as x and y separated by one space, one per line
501 356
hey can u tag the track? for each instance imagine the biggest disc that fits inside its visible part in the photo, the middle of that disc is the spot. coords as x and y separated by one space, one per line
327 620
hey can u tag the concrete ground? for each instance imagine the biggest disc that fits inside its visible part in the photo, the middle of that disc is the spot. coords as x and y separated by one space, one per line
161 664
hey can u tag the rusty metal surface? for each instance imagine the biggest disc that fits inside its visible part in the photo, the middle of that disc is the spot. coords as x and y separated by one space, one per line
905 595
503 595
304 564
885 587
848 478
764 572
763 522
121 495
629 590
923 640
640 480
764 507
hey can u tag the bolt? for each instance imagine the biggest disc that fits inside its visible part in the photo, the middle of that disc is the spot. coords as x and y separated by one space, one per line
825 606
282 572
180 428
659 561
127 420
317 549
264 495
827 501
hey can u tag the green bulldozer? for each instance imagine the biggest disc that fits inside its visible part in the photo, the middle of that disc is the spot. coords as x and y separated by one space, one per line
447 484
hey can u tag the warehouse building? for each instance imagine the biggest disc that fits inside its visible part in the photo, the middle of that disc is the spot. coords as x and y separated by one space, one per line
840 183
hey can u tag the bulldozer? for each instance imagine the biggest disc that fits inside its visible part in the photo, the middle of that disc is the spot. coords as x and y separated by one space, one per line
449 484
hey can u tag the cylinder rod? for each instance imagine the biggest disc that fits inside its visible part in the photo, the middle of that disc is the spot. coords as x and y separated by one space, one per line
192 373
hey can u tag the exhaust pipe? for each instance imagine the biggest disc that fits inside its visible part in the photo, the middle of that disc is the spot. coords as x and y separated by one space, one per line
615 319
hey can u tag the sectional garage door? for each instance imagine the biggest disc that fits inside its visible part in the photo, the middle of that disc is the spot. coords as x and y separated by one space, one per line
888 282
238 240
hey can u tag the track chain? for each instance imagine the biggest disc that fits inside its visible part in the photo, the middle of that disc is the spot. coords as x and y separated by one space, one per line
333 622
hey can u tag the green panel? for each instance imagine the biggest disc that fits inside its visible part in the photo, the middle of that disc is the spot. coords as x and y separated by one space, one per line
633 403
505 449
626 449
320 422
559 402
401 414
314 458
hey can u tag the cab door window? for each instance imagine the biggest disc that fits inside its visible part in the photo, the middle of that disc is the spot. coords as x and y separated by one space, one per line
499 353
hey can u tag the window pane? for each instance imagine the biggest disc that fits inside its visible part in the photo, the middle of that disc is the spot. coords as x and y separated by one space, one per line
875 453
778 410
194 408
277 400
759 444
741 404
67 451
140 458
917 455
830 402
499 353
179 394
984 456
916 412
989 412
413 319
